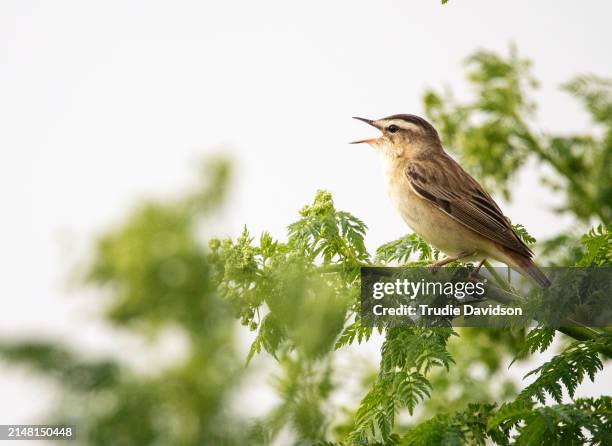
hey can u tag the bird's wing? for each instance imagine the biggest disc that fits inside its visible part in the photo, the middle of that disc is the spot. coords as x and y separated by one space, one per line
451 189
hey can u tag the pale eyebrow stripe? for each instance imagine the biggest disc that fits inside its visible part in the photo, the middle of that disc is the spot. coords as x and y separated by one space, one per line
415 120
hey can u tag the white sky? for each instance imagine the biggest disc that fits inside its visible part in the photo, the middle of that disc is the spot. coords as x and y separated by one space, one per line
104 103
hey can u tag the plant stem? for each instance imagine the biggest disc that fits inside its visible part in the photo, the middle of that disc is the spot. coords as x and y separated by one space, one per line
498 279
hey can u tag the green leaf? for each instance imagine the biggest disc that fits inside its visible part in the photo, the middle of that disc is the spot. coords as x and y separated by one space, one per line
523 234
567 370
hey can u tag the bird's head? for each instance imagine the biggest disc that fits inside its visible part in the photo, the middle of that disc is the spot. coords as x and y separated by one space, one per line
402 135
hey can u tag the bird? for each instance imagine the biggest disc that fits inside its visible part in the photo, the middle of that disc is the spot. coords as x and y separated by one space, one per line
442 202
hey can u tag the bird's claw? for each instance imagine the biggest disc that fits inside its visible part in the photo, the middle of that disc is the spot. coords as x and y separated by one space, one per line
473 276
433 268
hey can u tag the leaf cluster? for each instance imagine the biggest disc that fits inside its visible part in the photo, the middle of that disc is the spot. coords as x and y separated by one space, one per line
496 133
280 288
408 355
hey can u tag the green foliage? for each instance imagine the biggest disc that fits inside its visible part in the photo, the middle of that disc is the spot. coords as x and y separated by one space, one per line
156 278
467 427
595 92
523 234
153 265
403 250
496 137
271 285
480 357
303 388
352 332
298 295
591 249
521 422
568 369
61 364
333 236
598 247
585 421
537 340
490 130
408 354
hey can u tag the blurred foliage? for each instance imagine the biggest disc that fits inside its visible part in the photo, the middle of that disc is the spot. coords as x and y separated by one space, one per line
156 276
159 270
495 133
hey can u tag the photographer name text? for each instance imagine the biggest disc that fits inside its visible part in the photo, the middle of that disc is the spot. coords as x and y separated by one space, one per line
447 310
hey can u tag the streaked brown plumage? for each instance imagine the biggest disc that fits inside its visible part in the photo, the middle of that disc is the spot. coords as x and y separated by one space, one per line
442 202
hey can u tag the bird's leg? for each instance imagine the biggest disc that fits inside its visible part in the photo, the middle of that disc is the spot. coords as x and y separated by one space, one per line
473 275
436 266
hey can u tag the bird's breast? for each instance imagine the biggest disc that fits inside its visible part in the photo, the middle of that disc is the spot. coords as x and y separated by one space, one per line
415 211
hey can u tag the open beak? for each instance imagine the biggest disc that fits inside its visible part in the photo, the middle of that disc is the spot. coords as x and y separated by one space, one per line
370 140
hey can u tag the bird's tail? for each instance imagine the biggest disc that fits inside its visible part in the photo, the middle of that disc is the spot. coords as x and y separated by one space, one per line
527 267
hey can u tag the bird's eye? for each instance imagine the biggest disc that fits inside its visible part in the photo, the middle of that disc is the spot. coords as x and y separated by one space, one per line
392 128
